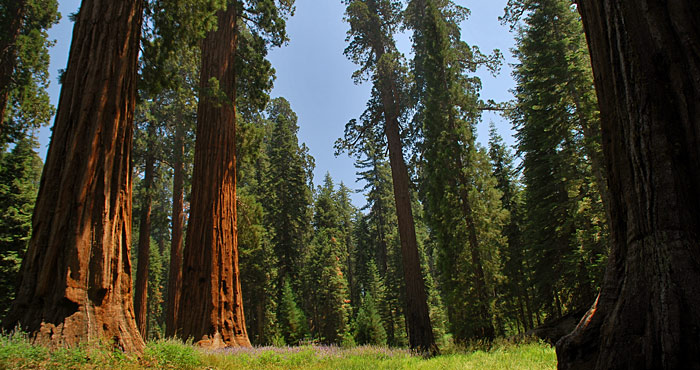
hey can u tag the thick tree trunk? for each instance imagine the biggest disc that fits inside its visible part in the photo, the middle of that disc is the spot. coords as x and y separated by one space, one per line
646 62
8 52
144 252
211 282
76 276
175 274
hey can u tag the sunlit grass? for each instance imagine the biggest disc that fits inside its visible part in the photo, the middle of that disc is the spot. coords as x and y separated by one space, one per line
16 352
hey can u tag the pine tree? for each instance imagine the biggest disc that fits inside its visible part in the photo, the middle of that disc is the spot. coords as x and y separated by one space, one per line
458 194
372 25
565 227
369 324
292 321
24 63
20 171
515 292
326 297
287 195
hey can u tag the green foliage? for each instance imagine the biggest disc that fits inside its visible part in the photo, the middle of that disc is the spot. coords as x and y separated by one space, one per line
325 287
286 189
292 321
557 133
17 352
20 172
369 324
28 103
171 354
462 206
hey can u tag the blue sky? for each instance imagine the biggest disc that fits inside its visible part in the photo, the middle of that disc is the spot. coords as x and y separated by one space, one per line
314 75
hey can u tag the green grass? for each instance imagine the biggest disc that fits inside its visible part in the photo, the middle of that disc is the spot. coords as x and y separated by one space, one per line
16 352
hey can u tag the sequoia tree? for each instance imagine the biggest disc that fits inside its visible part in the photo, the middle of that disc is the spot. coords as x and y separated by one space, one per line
211 285
232 67
372 24
76 276
647 76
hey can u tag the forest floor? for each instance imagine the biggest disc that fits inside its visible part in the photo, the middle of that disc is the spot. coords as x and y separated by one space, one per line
16 352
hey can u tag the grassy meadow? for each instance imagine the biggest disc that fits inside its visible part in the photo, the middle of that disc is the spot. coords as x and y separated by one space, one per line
16 352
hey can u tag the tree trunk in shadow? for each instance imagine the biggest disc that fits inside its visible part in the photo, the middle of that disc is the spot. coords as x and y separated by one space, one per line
646 61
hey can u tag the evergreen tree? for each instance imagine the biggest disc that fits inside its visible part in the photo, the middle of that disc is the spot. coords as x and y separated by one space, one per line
369 324
24 64
515 292
292 321
565 228
288 198
20 171
326 297
646 72
461 206
372 46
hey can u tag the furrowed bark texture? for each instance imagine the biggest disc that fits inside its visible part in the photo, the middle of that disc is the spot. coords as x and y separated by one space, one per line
211 308
141 288
646 61
76 276
175 274
8 52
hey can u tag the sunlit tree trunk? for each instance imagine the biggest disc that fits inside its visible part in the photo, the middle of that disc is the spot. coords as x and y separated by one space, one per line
76 276
211 307
646 62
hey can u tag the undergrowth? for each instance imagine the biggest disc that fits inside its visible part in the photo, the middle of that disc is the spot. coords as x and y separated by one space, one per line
17 352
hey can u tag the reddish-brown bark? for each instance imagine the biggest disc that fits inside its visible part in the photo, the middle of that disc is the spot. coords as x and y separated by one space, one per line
211 285
646 63
175 275
76 276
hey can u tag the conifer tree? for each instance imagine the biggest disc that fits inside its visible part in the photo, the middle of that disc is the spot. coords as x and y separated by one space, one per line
371 45
516 295
288 198
232 57
20 171
66 290
292 321
454 194
565 227
24 63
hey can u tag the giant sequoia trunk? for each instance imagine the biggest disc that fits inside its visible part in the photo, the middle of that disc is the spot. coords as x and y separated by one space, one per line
14 13
211 289
76 276
646 62
144 252
175 273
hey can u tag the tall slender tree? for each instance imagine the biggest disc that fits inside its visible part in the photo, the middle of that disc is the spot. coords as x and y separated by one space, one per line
448 102
372 25
76 276
647 76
